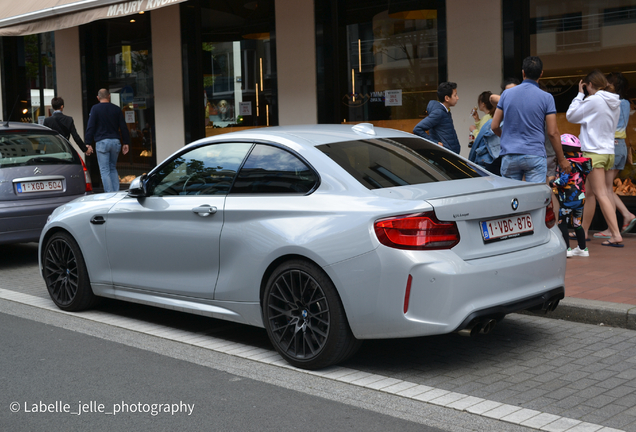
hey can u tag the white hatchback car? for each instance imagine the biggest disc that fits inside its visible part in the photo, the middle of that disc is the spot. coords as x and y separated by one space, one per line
325 235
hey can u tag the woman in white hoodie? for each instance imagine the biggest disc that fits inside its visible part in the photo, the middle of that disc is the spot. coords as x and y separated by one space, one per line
598 116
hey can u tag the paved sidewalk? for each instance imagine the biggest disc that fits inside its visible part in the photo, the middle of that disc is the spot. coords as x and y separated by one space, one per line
601 288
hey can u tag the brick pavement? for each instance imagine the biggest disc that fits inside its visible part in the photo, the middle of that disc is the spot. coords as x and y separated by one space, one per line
608 274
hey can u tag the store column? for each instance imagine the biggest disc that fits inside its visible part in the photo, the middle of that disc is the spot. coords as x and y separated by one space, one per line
68 72
474 36
296 62
168 78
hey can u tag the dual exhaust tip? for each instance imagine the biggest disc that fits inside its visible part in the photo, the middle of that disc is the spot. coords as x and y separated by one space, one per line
484 326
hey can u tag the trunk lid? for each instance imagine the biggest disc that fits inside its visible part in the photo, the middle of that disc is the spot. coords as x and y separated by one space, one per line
470 202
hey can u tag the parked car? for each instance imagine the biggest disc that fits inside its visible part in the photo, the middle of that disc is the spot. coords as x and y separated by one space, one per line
325 235
39 171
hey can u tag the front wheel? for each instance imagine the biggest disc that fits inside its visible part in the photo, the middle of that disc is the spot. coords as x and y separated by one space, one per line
65 274
304 317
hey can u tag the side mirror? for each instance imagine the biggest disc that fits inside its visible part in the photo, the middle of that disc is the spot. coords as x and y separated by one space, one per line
137 187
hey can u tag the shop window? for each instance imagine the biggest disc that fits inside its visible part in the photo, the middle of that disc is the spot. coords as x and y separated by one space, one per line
392 65
29 74
239 74
572 39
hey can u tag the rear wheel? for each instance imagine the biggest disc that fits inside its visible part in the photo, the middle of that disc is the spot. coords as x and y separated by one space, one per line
304 317
65 274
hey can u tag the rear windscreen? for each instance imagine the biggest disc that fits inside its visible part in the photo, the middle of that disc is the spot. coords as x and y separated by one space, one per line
382 163
30 148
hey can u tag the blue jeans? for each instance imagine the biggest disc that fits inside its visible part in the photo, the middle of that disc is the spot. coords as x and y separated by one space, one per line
107 153
535 168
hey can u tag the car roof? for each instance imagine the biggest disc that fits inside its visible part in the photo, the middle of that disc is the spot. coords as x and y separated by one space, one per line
7 126
317 134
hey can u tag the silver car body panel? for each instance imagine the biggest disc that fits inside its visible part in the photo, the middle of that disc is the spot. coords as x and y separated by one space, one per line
219 270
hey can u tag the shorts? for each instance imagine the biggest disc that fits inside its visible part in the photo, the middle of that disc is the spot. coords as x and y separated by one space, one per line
620 154
605 161
572 217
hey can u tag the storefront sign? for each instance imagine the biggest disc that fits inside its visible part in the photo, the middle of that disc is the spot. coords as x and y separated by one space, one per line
393 97
130 116
245 108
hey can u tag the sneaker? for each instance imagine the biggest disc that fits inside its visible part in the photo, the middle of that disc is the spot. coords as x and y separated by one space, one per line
578 252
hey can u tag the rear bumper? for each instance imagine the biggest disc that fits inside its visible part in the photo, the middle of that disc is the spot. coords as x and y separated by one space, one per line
447 293
22 221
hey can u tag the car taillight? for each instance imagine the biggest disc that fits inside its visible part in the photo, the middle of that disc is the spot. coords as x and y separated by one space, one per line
87 177
550 217
419 231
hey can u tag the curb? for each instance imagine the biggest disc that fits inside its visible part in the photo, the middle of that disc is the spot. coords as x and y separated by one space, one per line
593 312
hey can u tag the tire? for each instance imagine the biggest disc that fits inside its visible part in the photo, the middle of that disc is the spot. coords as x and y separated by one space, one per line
65 274
304 317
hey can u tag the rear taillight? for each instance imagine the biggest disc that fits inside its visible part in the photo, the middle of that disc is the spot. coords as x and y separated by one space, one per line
87 177
419 231
550 217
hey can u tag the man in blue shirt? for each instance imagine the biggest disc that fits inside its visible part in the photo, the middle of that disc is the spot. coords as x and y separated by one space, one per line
528 112
105 123
439 122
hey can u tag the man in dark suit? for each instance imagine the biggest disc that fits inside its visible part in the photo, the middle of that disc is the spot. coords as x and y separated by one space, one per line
64 125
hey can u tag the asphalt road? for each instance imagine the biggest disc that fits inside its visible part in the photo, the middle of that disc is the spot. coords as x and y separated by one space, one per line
59 379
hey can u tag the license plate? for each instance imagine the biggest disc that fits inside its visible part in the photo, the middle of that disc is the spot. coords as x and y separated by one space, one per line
40 186
508 227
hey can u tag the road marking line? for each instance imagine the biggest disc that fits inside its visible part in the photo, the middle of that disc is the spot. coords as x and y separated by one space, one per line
461 402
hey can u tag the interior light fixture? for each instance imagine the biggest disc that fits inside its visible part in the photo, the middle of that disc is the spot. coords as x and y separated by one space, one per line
132 20
359 57
413 10
25 110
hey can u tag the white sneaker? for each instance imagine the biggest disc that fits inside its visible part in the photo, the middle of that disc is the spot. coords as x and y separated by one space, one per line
578 252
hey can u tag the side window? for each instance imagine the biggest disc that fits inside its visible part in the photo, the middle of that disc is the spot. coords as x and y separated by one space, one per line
270 169
207 170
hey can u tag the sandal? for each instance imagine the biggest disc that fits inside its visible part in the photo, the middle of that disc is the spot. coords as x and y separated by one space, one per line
602 236
628 227
612 244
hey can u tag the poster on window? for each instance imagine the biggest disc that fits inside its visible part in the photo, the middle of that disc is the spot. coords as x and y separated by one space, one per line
130 116
393 97
246 108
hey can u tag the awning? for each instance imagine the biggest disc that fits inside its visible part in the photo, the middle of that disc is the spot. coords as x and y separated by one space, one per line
25 17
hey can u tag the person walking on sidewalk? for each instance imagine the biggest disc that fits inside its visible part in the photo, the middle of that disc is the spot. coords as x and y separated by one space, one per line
528 112
598 116
571 193
105 123
620 158
439 122
64 125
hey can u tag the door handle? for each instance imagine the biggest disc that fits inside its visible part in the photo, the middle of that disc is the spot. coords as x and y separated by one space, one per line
204 210
98 220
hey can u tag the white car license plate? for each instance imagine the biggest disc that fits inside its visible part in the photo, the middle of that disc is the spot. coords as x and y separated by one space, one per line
40 186
508 227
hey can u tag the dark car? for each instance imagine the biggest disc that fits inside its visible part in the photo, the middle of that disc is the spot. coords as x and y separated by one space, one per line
39 171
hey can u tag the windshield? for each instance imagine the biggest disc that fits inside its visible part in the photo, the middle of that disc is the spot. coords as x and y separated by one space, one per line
382 163
32 148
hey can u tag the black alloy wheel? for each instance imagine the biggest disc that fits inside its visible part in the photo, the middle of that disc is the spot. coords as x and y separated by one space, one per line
65 274
304 317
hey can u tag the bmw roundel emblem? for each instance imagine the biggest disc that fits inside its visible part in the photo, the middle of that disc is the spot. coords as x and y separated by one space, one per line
514 204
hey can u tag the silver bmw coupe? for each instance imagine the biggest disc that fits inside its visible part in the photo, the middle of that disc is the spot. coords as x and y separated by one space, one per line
325 235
